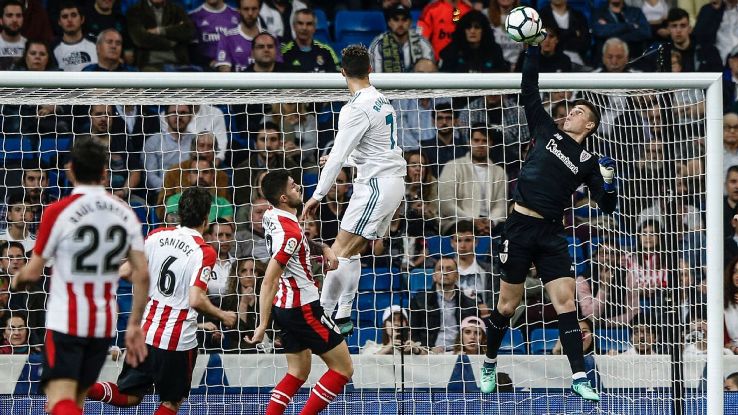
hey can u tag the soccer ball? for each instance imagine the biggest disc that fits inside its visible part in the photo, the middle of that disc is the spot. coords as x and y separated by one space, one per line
523 24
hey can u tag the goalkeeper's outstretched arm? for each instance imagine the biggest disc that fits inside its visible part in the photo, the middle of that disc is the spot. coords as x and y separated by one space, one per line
530 95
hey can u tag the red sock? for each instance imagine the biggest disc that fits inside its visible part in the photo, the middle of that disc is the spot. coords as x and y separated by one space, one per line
325 391
282 394
108 392
66 407
163 410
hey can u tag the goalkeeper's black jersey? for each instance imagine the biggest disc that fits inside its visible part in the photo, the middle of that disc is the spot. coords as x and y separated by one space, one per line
556 165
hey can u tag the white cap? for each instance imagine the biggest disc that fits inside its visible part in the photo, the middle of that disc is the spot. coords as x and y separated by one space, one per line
394 308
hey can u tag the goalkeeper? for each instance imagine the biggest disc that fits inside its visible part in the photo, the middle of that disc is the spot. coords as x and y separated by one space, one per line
556 165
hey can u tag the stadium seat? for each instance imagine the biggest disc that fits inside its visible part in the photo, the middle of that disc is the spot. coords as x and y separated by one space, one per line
361 336
612 339
542 341
419 279
376 301
322 26
16 147
53 148
378 279
513 342
358 26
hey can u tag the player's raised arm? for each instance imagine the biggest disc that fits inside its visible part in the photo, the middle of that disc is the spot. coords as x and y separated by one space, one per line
530 95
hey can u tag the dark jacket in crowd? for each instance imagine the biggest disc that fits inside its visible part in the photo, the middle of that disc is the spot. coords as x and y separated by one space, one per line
177 32
576 38
425 314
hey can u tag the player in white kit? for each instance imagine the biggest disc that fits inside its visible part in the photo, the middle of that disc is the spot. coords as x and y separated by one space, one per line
87 234
367 140
181 263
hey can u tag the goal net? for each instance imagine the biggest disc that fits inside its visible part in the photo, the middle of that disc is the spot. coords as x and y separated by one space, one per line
417 348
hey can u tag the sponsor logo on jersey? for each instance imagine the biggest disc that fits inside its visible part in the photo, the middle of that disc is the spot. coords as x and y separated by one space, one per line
77 58
554 149
291 246
204 23
584 156
221 56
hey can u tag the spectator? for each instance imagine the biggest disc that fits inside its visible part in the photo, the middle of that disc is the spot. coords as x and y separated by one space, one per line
695 341
277 15
109 49
730 140
125 169
447 144
695 57
645 182
15 335
264 55
656 12
730 244
299 127
161 31
472 338
572 27
588 347
475 274
19 217
644 339
731 383
168 148
203 147
12 43
4 298
421 196
497 14
138 121
730 82
250 235
304 53
333 206
208 118
552 59
436 314
35 182
268 153
12 257
212 20
615 56
201 174
730 200
399 48
394 335
415 115
690 300
73 51
234 47
616 19
101 15
472 48
435 25
716 26
223 233
36 23
646 265
472 187
730 305
242 296
37 56
605 292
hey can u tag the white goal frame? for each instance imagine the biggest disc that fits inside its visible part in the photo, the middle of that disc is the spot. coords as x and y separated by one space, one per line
711 82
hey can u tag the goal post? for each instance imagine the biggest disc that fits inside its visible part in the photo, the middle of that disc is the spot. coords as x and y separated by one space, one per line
56 88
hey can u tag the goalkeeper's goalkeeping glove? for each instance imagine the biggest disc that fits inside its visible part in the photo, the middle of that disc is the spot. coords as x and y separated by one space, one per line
538 39
607 169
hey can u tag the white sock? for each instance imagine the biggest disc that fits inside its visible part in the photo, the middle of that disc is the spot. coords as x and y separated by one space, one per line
490 361
579 375
335 283
350 275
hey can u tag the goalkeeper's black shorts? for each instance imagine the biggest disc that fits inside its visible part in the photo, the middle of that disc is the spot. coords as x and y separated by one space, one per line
528 240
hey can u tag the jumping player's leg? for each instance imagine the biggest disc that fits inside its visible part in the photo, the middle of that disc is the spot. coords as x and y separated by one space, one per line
298 369
499 320
341 284
340 370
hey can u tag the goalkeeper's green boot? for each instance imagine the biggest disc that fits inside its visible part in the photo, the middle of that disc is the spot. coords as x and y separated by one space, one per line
488 382
345 325
582 388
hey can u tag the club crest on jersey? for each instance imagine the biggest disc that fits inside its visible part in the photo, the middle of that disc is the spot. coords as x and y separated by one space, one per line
291 246
558 136
319 60
503 251
584 156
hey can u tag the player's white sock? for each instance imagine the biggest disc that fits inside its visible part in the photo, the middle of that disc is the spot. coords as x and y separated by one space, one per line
333 286
351 276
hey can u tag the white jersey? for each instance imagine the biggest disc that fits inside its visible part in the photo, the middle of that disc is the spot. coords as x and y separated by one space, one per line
178 259
287 244
75 56
366 139
87 234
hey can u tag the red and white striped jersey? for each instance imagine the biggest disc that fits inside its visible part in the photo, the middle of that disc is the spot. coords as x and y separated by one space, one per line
178 259
287 244
87 234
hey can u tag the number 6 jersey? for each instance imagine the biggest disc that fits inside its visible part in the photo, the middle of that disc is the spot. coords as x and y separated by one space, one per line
178 259
87 234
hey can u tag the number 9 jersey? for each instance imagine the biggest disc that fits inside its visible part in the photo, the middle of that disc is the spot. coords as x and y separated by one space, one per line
87 234
178 259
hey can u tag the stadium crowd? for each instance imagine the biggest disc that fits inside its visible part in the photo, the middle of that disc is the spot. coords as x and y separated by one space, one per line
426 284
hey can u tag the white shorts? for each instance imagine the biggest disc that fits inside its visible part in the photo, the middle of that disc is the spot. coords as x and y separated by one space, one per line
372 206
